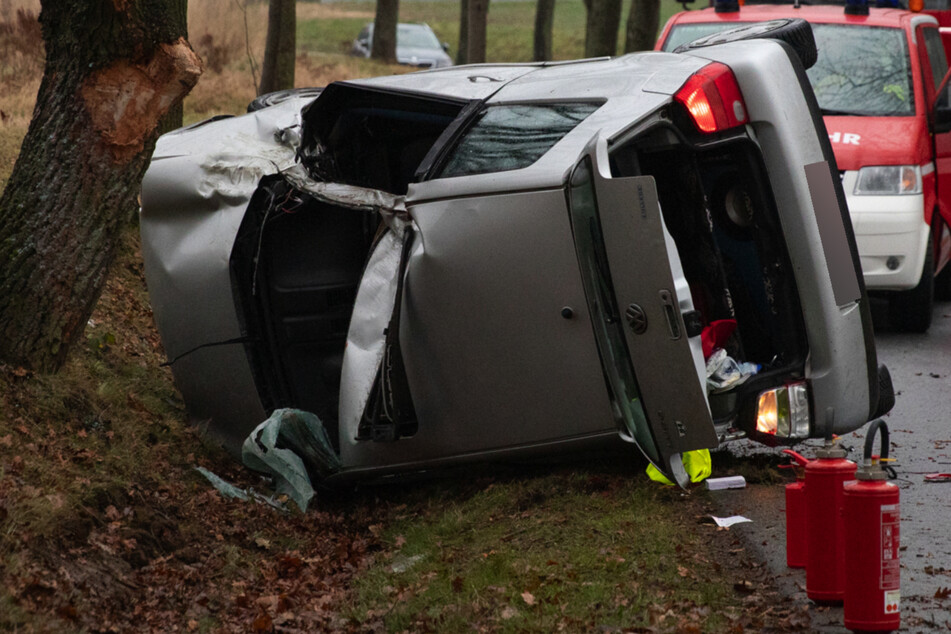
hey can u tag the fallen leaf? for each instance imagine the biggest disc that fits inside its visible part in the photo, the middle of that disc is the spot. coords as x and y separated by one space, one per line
528 598
744 587
942 593
508 612
262 623
683 572
400 541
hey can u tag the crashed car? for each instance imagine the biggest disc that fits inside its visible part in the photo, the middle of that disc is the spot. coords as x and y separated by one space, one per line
501 261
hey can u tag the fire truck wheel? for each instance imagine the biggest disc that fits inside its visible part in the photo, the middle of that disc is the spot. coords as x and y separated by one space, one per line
911 310
793 31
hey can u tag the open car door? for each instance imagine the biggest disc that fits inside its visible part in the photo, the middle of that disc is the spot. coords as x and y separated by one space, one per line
637 297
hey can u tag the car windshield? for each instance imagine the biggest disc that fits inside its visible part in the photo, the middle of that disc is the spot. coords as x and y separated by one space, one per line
412 36
862 70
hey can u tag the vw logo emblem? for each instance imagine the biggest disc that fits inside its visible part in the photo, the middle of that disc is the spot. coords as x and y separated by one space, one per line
636 319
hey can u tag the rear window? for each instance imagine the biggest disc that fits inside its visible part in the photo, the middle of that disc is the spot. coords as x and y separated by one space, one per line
862 70
512 137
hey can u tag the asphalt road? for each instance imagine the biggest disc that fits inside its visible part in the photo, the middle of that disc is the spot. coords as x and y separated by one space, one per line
920 426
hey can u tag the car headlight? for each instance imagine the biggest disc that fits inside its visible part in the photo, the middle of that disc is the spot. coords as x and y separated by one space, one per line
888 179
784 411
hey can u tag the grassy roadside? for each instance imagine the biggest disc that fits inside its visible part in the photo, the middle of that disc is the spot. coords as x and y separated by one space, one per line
106 526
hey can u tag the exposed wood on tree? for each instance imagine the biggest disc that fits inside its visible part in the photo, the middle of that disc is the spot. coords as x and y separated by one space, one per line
475 43
601 27
280 50
544 23
384 30
113 70
643 21
178 25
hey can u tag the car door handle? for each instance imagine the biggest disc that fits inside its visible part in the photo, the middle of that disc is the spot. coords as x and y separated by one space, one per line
671 314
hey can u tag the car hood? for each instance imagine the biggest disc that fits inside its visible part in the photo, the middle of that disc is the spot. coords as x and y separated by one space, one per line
860 141
413 55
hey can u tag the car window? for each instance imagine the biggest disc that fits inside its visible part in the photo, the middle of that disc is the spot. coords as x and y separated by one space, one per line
511 137
862 70
683 33
936 57
416 37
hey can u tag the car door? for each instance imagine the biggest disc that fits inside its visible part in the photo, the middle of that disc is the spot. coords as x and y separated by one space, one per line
934 69
637 297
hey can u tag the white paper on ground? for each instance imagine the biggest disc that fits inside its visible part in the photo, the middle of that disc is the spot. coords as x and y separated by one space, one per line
727 522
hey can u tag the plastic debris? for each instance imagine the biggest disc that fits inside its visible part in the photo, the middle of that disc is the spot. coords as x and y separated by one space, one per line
230 491
728 482
697 464
938 477
290 446
727 522
723 371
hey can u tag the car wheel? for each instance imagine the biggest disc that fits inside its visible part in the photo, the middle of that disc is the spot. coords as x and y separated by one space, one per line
273 98
911 310
793 31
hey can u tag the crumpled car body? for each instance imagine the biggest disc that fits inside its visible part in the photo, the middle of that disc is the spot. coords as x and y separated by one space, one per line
500 261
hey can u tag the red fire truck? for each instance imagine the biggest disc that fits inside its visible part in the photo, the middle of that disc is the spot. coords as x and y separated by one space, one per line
880 81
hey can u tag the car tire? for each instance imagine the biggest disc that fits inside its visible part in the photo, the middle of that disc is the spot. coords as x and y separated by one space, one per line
793 31
911 310
273 98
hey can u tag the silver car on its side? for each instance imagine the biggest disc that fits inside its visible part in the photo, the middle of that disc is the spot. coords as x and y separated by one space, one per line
501 261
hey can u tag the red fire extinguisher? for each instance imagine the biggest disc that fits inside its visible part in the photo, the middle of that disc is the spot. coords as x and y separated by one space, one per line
873 587
825 530
796 513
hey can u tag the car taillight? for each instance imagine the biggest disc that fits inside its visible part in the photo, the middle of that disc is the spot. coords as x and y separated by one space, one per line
713 98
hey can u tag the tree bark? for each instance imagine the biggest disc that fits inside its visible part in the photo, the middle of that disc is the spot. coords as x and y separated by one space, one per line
642 24
113 69
280 49
544 24
601 27
462 54
478 17
178 24
384 30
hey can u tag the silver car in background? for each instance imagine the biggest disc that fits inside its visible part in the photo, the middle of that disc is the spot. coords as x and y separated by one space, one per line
501 261
416 45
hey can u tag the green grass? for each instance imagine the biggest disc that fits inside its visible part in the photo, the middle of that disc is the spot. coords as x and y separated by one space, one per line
572 549
508 34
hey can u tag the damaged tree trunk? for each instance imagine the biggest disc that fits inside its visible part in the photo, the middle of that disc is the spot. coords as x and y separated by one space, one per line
113 70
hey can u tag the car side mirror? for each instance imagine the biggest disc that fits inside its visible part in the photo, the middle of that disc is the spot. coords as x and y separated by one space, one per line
445 46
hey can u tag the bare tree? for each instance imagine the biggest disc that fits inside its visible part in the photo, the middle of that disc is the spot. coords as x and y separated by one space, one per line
475 43
544 23
462 55
642 24
280 50
601 27
384 30
113 69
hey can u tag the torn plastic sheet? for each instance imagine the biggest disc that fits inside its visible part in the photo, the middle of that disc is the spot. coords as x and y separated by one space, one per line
290 446
727 522
230 491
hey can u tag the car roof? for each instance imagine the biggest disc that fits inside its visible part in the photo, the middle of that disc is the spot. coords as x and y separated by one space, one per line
821 14
597 78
